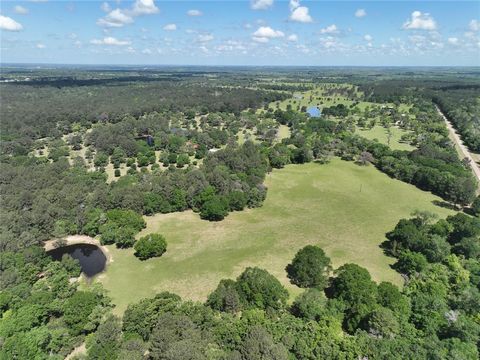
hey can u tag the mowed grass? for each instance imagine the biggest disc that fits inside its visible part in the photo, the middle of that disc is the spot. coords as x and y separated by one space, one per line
342 207
380 133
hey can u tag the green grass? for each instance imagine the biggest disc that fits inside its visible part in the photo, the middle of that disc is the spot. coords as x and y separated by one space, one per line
381 134
342 207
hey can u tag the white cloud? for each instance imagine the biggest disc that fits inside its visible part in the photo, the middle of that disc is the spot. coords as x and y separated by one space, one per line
145 7
170 27
110 41
331 29
20 10
360 13
268 32
265 33
146 51
9 24
294 4
420 21
40 46
194 13
205 37
368 37
474 25
300 13
121 17
260 4
260 39
292 37
115 18
453 41
106 7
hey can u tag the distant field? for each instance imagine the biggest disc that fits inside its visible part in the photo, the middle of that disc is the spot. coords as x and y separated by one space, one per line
342 207
380 133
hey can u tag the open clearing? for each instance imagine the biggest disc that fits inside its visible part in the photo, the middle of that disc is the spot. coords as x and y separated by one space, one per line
342 207
381 134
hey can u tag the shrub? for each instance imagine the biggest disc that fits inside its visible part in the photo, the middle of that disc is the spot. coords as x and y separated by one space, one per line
153 245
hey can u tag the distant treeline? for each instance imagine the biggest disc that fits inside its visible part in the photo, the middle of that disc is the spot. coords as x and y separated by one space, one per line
31 112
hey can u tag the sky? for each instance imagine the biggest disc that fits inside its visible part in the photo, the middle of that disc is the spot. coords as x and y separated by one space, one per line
249 32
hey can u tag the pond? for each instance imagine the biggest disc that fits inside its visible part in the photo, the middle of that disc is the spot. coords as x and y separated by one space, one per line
92 259
314 111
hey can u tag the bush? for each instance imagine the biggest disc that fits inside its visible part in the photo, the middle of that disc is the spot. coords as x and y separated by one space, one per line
117 173
153 245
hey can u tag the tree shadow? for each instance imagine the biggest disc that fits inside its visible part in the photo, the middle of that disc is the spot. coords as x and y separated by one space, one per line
444 204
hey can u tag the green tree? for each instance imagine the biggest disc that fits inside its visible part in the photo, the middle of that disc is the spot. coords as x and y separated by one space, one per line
354 286
77 309
183 160
225 297
259 345
105 343
259 289
214 209
476 206
310 268
152 245
310 304
382 323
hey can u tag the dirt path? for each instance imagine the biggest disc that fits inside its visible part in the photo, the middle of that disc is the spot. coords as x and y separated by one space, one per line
79 350
464 150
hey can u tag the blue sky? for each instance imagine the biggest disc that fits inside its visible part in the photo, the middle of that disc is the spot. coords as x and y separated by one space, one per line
257 32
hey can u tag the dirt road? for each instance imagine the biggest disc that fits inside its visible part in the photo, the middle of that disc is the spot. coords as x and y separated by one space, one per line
464 150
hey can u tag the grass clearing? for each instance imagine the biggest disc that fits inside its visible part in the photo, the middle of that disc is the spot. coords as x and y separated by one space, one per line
380 133
342 207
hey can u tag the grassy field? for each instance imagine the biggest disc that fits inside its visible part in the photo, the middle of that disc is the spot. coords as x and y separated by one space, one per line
342 207
380 133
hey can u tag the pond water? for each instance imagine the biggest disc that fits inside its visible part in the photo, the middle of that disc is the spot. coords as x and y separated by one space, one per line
314 111
92 259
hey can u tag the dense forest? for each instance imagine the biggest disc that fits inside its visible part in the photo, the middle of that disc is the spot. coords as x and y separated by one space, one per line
95 153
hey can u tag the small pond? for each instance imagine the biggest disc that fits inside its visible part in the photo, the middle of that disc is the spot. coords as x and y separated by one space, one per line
314 111
92 259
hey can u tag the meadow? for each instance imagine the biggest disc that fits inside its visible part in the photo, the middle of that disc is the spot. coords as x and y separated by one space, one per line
381 134
342 207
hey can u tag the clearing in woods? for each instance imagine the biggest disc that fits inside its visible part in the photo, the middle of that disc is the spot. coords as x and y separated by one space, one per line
342 207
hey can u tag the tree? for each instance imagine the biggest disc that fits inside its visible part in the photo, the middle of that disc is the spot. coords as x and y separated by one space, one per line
105 344
382 323
152 245
225 297
310 304
410 262
365 158
391 298
183 160
259 345
310 268
476 206
354 286
259 289
176 337
214 209
77 310
237 200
